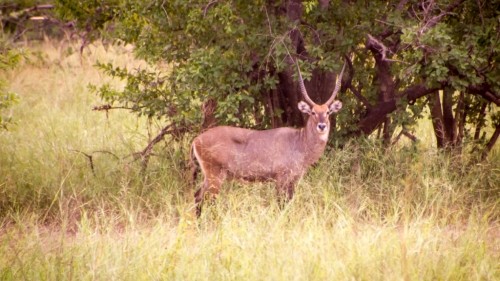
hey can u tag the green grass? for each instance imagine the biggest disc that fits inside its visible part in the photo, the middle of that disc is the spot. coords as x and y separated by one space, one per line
409 213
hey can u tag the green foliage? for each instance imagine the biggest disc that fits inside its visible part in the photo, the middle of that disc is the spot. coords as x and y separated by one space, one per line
7 99
144 92
212 52
237 54
9 58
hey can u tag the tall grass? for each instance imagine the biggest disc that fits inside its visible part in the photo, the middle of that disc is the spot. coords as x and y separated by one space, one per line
362 213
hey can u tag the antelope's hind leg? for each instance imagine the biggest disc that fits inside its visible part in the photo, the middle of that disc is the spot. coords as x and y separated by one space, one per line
198 197
210 188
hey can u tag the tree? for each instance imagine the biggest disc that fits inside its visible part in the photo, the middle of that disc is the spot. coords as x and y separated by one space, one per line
236 61
31 19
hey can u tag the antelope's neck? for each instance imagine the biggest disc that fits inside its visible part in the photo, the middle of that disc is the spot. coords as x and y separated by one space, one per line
314 143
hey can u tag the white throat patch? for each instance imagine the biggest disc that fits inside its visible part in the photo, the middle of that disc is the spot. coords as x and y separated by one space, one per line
324 136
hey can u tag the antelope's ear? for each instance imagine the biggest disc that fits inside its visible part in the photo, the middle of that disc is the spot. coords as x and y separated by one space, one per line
335 107
304 107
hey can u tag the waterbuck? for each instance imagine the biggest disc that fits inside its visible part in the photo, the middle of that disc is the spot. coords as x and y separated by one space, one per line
281 155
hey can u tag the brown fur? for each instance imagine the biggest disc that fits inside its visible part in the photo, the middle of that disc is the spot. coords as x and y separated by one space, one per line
280 155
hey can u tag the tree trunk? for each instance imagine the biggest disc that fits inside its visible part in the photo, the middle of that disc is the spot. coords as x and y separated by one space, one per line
288 93
480 120
277 119
321 86
491 143
289 96
448 120
437 119
208 112
383 81
460 117
387 133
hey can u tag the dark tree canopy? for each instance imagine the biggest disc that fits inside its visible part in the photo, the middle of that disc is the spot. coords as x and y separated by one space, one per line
232 62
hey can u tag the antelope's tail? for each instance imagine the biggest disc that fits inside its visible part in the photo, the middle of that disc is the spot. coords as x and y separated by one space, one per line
194 166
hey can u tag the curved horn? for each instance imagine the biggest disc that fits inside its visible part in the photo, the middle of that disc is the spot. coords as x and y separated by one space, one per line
338 83
303 87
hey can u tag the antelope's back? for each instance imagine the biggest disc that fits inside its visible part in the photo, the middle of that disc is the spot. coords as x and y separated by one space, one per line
249 153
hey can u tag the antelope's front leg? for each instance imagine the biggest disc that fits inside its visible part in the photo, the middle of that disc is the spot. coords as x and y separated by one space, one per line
285 188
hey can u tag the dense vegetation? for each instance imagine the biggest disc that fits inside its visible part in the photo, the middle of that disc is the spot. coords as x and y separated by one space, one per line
362 213
237 58
76 203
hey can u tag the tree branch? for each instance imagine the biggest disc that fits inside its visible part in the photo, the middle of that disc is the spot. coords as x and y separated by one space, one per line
377 114
428 24
491 142
483 91
211 3
90 157
145 154
375 45
348 84
405 133
415 92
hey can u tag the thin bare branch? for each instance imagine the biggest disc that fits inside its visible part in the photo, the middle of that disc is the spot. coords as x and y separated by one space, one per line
107 107
107 152
375 44
316 33
268 21
405 133
401 5
430 21
205 10
145 154
89 157
480 7
379 46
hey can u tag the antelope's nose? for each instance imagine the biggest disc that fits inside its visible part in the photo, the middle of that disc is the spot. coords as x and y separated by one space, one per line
321 126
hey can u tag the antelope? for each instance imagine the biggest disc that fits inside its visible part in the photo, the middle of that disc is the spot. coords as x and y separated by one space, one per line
281 155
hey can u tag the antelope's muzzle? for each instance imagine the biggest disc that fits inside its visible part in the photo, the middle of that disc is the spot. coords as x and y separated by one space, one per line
322 127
